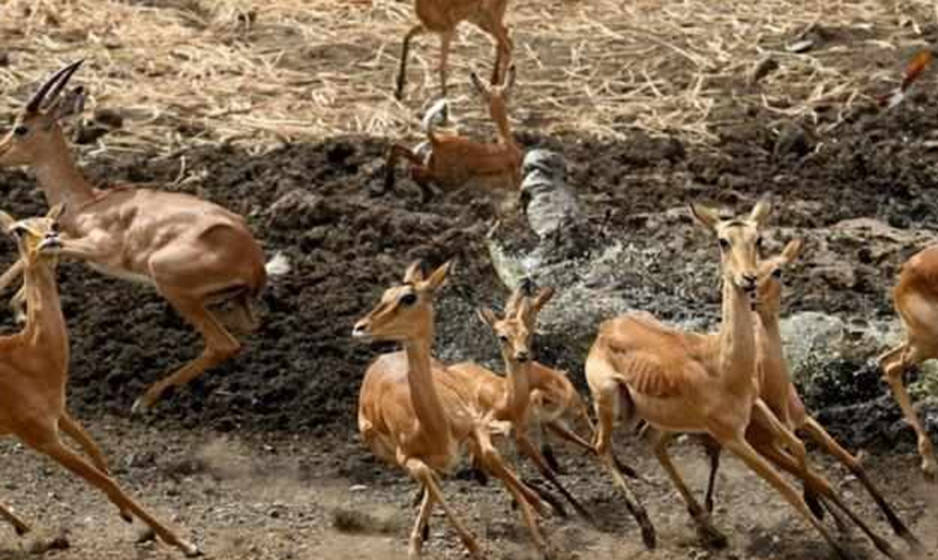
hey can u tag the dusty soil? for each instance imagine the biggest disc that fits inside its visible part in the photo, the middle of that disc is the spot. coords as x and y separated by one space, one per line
259 458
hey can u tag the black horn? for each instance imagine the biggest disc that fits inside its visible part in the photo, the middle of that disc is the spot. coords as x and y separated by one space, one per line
57 81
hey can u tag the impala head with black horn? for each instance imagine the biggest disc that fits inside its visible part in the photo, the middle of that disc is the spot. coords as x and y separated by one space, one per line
36 131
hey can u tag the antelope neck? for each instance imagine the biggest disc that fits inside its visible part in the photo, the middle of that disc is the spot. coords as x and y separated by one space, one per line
426 401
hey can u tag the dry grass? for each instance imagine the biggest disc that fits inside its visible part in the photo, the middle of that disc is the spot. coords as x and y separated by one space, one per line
257 73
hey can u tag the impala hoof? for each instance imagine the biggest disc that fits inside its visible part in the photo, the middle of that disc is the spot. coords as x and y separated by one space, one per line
21 530
711 537
930 471
140 408
189 549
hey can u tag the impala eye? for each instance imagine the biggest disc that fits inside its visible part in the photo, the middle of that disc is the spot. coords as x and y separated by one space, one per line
408 299
724 244
503 338
21 130
777 273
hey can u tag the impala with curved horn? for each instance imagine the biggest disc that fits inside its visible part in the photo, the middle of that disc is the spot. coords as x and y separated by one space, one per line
196 254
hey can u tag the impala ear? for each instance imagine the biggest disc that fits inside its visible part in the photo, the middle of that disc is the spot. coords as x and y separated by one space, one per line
6 221
543 296
792 250
705 216
487 316
761 211
438 276
481 88
56 211
414 273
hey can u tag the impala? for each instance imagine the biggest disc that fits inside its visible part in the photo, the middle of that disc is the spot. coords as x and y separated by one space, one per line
414 413
442 17
196 254
34 373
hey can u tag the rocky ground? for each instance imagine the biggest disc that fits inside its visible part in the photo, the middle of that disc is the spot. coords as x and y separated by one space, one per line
260 458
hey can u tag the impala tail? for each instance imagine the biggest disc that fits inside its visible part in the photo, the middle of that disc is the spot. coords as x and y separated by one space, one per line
919 63
436 115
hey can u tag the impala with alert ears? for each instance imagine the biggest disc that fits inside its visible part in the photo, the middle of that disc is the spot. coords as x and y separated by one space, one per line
34 374
678 381
196 254
415 413
454 161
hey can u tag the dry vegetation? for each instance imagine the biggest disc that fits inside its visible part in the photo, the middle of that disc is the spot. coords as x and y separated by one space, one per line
260 72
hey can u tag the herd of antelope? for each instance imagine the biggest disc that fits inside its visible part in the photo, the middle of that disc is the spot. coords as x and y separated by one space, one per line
732 387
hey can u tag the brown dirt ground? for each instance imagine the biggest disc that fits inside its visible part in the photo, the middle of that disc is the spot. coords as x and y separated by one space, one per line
255 459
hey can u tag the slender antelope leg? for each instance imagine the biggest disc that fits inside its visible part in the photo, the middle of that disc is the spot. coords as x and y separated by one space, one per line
106 484
402 70
713 450
526 447
422 473
738 446
822 488
567 434
418 534
395 153
705 527
605 413
503 47
75 431
525 498
446 39
219 346
894 364
18 524
824 439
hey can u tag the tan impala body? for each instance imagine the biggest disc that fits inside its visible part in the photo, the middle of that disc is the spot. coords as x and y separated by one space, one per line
194 252
442 17
414 413
684 382
34 373
916 300
454 161
781 396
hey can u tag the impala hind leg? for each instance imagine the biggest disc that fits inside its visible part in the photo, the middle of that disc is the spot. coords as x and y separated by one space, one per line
220 345
528 449
18 524
77 465
705 528
739 447
828 443
606 404
713 450
894 363
402 69
421 527
75 431
821 487
527 500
